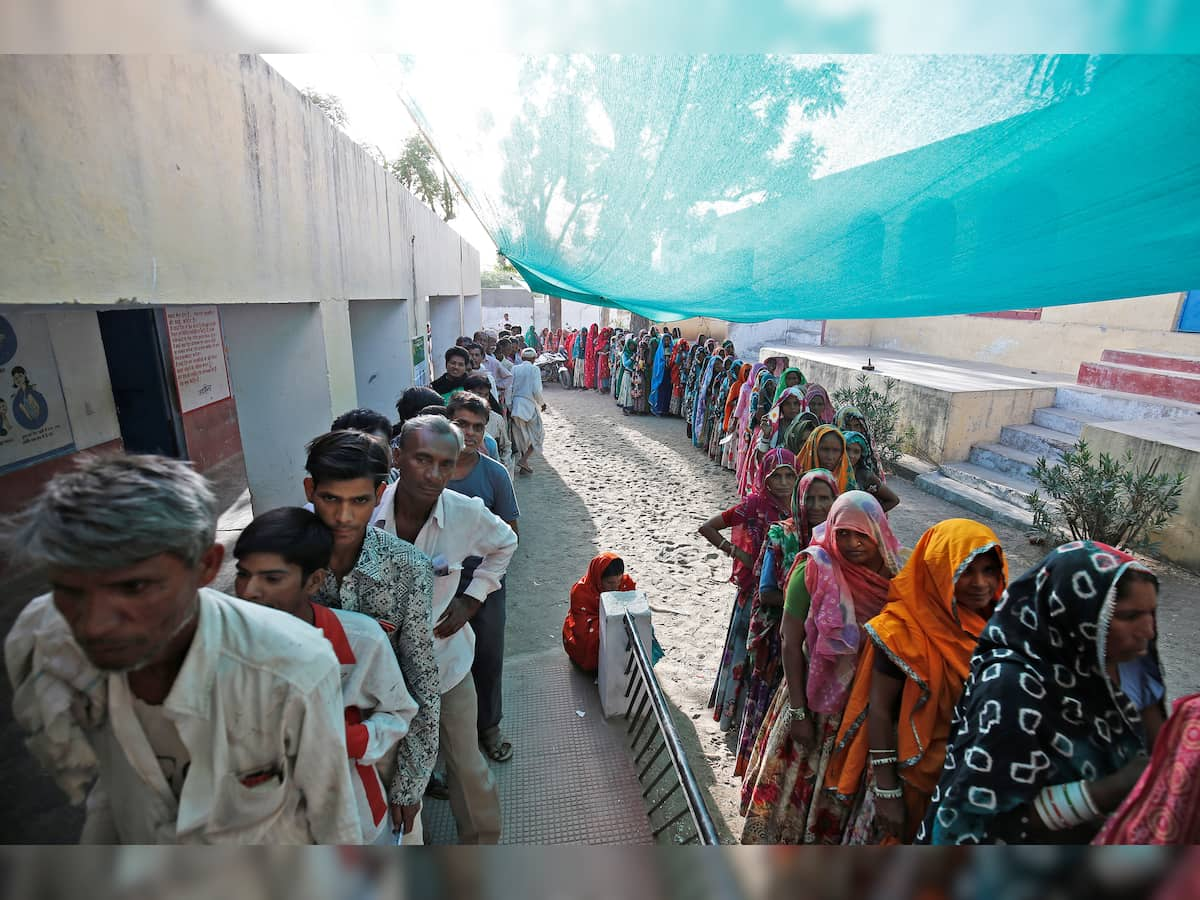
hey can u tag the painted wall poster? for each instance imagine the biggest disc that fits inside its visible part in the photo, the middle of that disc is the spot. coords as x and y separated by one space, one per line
198 356
33 413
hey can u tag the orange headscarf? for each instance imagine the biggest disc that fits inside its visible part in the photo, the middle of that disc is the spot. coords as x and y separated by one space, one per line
735 390
580 631
931 638
807 458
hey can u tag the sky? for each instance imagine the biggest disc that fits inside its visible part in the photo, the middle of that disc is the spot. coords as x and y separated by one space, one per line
366 85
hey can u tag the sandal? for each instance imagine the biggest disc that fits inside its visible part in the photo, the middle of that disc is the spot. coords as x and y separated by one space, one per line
525 470
497 749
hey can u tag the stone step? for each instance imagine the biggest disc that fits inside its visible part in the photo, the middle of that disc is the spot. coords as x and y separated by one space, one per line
1014 489
1036 440
1068 421
978 502
1114 406
1140 380
999 458
1154 359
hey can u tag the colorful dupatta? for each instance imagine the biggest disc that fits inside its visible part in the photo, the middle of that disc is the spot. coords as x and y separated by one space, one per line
930 638
658 376
1038 708
581 629
816 390
775 416
590 349
782 385
1164 805
844 597
735 392
807 458
871 457
751 518
787 538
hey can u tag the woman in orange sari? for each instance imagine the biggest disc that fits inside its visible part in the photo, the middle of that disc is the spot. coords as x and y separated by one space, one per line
892 744
581 630
826 449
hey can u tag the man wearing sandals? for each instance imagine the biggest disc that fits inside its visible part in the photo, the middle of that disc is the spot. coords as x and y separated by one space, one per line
449 528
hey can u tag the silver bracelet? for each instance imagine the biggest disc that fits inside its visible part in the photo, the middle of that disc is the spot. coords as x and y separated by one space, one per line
797 715
884 760
887 793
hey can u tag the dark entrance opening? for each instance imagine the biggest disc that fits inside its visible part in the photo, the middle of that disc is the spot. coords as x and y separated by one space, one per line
146 410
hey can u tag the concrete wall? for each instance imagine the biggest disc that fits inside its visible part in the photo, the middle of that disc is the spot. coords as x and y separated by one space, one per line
946 419
579 315
382 352
280 406
1064 337
209 179
749 338
1177 442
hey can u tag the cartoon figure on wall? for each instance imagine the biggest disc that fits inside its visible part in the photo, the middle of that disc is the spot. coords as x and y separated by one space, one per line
28 405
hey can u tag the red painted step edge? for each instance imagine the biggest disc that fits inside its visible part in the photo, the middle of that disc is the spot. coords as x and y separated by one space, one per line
1168 385
1147 360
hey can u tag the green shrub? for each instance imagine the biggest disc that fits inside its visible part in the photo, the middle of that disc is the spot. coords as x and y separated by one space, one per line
1103 499
883 414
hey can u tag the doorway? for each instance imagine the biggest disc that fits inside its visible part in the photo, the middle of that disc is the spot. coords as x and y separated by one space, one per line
146 410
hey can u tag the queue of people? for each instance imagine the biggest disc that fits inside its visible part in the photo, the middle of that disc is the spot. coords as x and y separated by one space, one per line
884 696
877 695
366 640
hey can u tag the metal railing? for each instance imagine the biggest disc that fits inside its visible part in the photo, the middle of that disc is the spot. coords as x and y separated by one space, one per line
643 686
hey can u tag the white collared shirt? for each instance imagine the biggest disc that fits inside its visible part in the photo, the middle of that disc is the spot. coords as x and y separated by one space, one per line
257 704
457 527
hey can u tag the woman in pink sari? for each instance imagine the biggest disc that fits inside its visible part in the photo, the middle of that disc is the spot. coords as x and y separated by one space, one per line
1164 805
837 583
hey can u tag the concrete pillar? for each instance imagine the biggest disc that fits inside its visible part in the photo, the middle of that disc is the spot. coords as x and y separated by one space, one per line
339 354
286 390
472 314
382 346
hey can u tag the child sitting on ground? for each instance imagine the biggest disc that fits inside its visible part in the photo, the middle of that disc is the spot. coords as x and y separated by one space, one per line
581 630
281 560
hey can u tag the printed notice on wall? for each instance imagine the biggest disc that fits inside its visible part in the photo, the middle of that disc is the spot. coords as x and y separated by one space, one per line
33 414
198 354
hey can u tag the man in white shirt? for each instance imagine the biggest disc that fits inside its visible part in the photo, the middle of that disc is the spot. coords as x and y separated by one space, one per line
503 372
527 408
281 561
449 527
179 714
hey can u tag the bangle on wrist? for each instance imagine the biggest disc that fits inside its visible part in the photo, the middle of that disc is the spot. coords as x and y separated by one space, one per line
1064 806
884 760
797 714
895 793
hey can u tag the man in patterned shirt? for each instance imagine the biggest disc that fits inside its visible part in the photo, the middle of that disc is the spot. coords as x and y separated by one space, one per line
387 578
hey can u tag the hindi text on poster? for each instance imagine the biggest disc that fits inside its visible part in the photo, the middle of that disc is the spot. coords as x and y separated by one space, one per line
198 354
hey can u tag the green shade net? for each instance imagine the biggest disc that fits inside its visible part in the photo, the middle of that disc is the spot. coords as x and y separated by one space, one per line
757 187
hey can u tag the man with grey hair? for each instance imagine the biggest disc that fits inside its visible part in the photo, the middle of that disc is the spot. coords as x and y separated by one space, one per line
448 528
180 715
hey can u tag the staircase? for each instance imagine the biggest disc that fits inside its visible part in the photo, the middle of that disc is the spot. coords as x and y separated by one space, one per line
1166 375
995 479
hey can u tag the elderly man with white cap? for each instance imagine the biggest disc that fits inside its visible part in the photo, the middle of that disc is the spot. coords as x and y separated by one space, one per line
527 407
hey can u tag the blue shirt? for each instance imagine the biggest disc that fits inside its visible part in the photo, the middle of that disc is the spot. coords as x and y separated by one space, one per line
489 482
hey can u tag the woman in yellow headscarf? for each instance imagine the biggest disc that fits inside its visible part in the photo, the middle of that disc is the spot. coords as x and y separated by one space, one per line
826 449
892 743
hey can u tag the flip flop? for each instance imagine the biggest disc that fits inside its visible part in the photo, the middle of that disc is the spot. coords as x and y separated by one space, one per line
498 750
